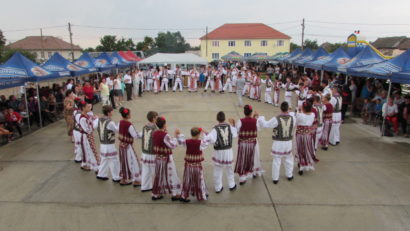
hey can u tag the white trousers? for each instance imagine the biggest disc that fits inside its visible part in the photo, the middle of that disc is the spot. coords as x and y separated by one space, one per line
77 145
276 97
164 84
239 95
105 100
228 85
319 131
149 84
334 136
288 162
209 83
111 164
288 99
148 171
246 88
177 82
268 97
218 174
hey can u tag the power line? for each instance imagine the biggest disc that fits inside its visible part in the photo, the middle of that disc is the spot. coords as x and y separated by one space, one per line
133 28
365 24
37 28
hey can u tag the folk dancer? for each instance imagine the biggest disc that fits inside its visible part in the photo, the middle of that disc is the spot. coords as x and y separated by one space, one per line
166 179
304 140
268 91
193 182
85 126
148 155
178 79
157 83
130 167
193 80
228 84
302 94
248 160
289 87
164 81
217 80
276 92
221 136
327 122
150 81
76 130
209 79
282 147
319 108
336 101
109 156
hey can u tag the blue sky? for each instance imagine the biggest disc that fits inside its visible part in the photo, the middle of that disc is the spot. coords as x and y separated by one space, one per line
326 20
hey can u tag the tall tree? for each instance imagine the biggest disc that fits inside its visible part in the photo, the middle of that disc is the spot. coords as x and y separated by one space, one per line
2 43
312 44
107 43
171 42
124 44
7 53
147 44
293 46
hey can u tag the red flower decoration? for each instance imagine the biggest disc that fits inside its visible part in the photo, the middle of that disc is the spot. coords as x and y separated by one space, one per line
126 111
200 129
83 102
162 118
250 107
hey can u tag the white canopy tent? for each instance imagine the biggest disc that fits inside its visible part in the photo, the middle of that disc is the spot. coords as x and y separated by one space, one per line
174 59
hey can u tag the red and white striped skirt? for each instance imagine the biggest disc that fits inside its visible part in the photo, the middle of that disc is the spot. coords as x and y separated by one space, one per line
324 140
194 182
245 159
305 154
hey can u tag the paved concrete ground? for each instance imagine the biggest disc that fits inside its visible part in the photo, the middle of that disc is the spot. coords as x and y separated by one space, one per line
362 184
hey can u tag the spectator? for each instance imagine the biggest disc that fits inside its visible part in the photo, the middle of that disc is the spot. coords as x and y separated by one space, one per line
377 111
13 103
366 111
390 112
88 90
353 93
105 92
13 120
59 100
5 132
33 111
70 84
406 117
3 101
45 112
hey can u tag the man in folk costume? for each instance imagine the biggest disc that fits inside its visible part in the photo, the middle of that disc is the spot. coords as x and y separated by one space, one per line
248 160
327 122
302 94
283 126
248 78
76 131
90 137
193 182
218 80
319 107
150 80
268 91
252 88
257 87
222 137
276 92
164 79
336 101
289 87
166 179
228 83
109 156
157 82
305 150
130 167
85 126
148 155
193 80
209 79
178 79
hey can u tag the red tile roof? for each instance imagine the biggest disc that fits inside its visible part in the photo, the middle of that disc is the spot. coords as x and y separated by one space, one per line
245 31
49 43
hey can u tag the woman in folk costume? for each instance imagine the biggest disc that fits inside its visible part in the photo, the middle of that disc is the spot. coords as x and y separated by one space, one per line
209 79
130 167
302 94
76 130
88 161
252 88
257 87
276 92
164 79
283 127
166 179
157 84
289 87
248 160
91 140
68 112
193 80
248 78
222 136
268 91
228 83
327 122
109 156
305 150
319 107
218 83
314 126
193 182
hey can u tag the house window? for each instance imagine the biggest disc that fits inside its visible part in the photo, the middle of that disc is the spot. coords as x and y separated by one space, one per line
247 54
264 43
215 43
231 43
248 43
215 56
280 43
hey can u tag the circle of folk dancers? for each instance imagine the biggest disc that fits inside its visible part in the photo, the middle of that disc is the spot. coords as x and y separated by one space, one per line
296 137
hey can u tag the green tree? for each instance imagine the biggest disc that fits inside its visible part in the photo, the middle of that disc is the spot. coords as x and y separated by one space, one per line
7 53
107 43
171 42
293 46
125 45
89 49
2 43
312 44
331 47
147 44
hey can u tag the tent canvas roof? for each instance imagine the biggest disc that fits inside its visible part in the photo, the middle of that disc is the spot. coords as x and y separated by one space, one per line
306 52
318 54
86 61
340 57
172 58
58 63
365 57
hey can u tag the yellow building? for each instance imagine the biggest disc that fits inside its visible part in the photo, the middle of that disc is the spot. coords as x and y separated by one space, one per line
244 38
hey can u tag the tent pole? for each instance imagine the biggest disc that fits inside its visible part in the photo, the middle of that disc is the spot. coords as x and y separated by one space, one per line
321 76
347 77
384 117
39 106
28 113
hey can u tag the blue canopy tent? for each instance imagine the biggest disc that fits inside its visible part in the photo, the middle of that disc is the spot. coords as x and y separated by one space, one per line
119 61
306 52
297 52
353 51
318 63
340 57
402 77
318 54
87 62
366 57
59 64
103 62
19 69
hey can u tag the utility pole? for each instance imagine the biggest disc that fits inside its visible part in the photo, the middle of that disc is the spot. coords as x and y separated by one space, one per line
206 42
42 46
303 33
71 42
